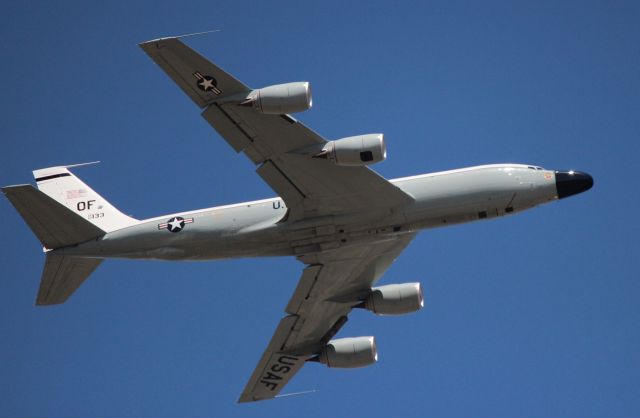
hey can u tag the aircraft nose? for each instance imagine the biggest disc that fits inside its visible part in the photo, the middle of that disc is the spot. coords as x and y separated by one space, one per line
572 182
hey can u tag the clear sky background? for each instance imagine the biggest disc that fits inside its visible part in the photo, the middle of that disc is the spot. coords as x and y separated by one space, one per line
530 315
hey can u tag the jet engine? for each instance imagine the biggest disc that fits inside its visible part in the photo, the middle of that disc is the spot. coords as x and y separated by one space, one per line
349 352
394 299
281 98
355 150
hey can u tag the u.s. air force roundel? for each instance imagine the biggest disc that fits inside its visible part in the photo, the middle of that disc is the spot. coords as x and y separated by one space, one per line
175 224
207 83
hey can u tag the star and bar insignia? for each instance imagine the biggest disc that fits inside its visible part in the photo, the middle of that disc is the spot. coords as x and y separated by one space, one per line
175 224
207 83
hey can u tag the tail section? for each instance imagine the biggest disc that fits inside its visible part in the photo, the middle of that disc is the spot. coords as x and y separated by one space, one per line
63 186
55 226
64 212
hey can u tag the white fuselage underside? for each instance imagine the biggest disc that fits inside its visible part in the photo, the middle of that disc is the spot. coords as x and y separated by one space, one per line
254 229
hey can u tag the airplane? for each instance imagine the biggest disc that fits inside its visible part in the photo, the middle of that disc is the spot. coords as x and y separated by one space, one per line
342 220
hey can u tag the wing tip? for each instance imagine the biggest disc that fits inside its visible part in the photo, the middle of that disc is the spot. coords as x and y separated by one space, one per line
153 41
247 398
10 189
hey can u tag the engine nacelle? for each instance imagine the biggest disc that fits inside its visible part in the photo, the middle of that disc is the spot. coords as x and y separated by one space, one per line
349 352
281 98
356 150
395 299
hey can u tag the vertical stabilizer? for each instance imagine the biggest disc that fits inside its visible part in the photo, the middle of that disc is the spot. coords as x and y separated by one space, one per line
63 186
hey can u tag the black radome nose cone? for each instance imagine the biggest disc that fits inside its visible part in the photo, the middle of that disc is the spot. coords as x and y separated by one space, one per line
572 182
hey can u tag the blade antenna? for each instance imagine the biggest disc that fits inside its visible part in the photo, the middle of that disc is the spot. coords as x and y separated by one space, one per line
183 36
297 393
82 164
186 35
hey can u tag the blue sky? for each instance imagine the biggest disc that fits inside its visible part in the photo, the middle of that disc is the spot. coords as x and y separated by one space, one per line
531 315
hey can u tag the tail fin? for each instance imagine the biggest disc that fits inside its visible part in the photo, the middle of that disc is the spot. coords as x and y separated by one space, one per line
67 189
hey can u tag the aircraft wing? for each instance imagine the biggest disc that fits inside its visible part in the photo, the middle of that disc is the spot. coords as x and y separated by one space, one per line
309 186
331 285
335 280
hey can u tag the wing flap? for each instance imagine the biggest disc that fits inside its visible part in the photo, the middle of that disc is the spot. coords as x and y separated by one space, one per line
282 185
273 135
227 128
303 290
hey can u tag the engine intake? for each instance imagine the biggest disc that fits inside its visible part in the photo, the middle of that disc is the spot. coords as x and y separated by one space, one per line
349 352
355 150
394 299
281 98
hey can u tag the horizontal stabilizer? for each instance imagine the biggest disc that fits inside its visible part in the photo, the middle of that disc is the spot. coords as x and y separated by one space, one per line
61 277
54 224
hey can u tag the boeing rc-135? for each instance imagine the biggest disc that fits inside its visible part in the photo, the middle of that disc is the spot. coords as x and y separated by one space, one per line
343 221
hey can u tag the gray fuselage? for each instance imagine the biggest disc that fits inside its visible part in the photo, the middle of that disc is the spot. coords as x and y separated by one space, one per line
255 229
